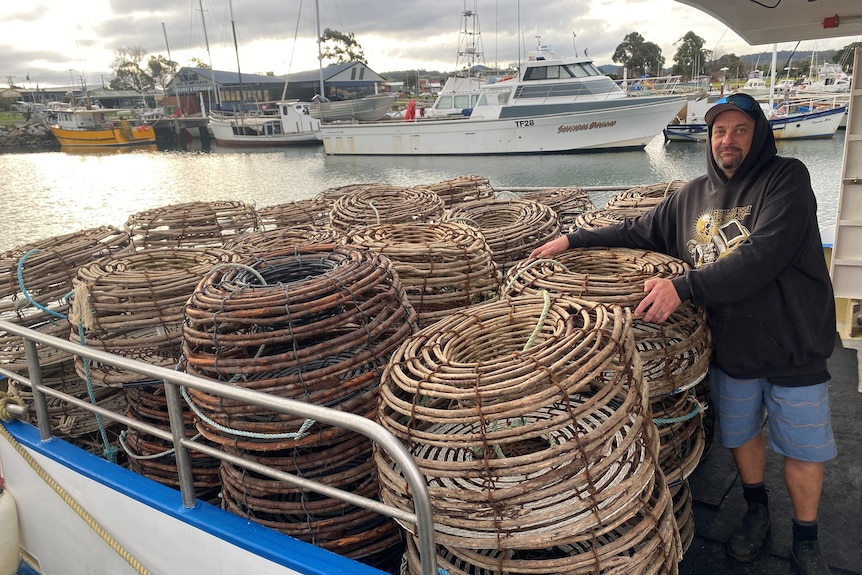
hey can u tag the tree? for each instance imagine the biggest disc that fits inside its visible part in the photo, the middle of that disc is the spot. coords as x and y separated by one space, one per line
198 63
128 72
690 58
844 56
638 56
161 70
340 47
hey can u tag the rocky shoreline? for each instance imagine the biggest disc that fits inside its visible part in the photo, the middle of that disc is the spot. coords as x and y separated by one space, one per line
27 137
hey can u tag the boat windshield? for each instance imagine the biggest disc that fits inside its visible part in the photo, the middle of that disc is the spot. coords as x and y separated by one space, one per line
561 71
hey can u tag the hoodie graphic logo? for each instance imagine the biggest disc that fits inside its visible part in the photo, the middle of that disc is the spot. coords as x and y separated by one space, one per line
716 234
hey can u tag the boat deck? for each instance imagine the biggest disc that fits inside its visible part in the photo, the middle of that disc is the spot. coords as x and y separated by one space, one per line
718 503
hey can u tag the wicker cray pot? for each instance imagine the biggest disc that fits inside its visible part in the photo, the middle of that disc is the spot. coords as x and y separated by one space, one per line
443 266
644 197
676 354
513 228
313 325
279 240
193 224
568 203
462 189
604 217
530 421
679 419
383 204
133 306
309 212
683 510
35 280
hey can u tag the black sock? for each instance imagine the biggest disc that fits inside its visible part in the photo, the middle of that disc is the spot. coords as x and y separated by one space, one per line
755 493
804 530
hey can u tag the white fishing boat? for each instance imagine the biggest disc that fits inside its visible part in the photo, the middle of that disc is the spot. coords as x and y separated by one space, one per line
278 124
554 105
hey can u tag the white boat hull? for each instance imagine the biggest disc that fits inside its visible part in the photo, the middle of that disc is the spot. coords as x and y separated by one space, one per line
625 124
811 125
291 125
147 520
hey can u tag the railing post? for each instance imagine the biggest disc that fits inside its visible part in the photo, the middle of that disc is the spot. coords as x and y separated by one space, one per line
178 432
35 371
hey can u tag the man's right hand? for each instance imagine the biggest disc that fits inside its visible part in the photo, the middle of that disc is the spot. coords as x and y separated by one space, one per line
551 248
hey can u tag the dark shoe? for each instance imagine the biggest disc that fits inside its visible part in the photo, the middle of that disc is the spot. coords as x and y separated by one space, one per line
745 542
806 558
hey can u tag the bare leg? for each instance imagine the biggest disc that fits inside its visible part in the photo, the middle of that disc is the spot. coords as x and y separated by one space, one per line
750 459
804 481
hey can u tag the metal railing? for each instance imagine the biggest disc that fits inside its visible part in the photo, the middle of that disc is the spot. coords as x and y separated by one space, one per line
421 518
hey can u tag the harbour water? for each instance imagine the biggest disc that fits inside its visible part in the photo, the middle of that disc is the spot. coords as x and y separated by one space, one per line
52 193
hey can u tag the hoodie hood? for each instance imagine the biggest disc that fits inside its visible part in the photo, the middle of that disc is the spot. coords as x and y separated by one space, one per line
759 155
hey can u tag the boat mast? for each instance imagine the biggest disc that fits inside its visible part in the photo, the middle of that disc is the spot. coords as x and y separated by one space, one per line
319 51
209 55
168 46
236 49
470 50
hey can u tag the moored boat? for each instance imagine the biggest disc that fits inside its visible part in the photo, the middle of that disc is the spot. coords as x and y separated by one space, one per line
99 127
369 108
554 105
283 123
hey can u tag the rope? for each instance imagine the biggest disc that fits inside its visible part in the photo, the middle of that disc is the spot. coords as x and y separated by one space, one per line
545 308
24 291
125 447
303 429
6 399
698 407
70 501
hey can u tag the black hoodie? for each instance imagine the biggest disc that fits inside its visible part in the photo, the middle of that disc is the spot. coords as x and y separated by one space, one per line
758 264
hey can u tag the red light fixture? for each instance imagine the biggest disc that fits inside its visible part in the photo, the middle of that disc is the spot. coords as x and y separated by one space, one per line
831 22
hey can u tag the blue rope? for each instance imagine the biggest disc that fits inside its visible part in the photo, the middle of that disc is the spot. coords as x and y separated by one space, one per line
697 409
23 289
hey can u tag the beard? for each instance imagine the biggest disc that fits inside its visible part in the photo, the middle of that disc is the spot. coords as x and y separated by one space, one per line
729 158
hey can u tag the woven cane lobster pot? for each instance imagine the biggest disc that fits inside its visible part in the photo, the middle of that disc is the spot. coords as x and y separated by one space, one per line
683 510
279 240
644 197
383 204
529 419
132 305
36 278
443 266
569 203
462 189
332 194
512 227
600 218
679 419
309 212
313 325
676 354
192 224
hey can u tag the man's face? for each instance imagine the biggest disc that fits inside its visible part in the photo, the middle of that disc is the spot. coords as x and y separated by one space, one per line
732 133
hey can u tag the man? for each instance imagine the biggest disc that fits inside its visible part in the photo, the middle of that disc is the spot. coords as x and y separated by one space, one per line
749 230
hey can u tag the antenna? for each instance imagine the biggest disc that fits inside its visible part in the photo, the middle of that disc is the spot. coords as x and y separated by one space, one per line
574 45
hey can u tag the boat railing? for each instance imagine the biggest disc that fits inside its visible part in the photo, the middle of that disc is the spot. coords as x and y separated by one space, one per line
421 518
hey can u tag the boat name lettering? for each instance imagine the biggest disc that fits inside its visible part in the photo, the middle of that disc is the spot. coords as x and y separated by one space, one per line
523 123
590 126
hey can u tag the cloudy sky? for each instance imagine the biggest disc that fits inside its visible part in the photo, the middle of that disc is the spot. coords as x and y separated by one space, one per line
58 43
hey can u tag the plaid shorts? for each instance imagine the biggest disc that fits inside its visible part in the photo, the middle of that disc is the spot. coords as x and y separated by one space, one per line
799 419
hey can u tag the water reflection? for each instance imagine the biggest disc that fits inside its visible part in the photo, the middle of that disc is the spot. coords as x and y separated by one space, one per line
50 193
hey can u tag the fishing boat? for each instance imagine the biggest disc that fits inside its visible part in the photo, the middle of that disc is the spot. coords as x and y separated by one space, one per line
277 124
795 121
100 127
554 105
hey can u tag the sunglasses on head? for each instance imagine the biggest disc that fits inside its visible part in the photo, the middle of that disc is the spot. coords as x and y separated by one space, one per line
742 101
